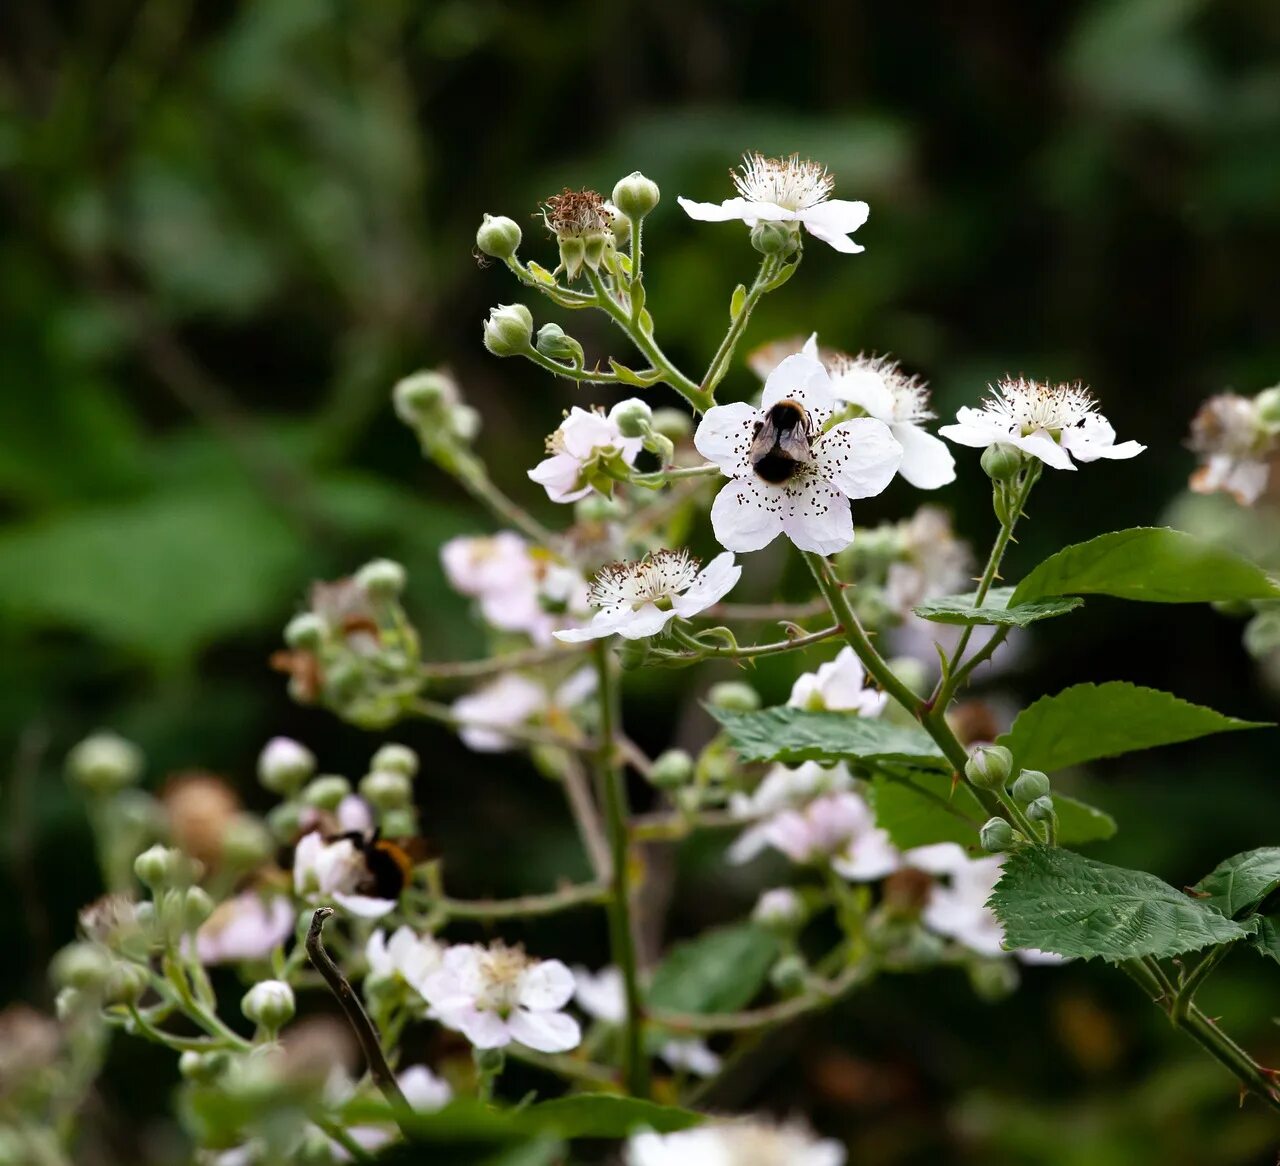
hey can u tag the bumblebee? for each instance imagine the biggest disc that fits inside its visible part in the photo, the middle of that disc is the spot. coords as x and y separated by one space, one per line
389 864
782 442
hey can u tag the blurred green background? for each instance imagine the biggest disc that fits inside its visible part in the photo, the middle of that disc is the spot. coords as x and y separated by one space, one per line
229 227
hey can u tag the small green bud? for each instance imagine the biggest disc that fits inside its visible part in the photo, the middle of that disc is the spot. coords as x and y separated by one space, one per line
397 759
911 672
284 764
1262 634
126 984
326 791
509 330
633 654
789 975
671 769
464 421
246 842
305 632
498 236
205 1068
557 344
422 395
1040 810
1001 461
662 446
68 1004
673 424
158 867
197 906
284 821
83 966
989 766
778 239
993 979
269 1003
996 836
400 822
734 695
382 578
105 763
1030 784
1267 403
489 1061
632 416
386 789
635 195
597 508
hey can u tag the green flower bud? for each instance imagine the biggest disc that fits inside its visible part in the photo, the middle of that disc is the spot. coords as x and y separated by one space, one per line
498 236
464 422
509 330
246 842
126 984
205 1068
158 867
305 632
1040 810
269 1003
489 1061
633 417
993 979
1268 406
1030 784
636 195
70 1003
397 759
996 836
734 695
284 821
633 654
382 579
989 766
597 508
555 343
673 424
326 791
1001 462
671 769
284 764
779 239
386 789
789 975
105 763
400 822
911 672
663 447
83 966
594 247
197 906
1262 634
422 395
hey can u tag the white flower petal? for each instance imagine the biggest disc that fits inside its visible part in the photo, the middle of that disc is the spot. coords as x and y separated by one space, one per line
484 1029
817 517
862 385
558 475
859 457
834 220
647 621
423 1090
546 1032
870 856
747 515
1040 444
734 208
711 585
364 906
801 378
725 434
545 986
926 461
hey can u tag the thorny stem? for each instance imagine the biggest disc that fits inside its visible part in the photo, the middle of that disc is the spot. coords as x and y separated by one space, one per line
475 478
711 652
334 1130
635 1065
570 372
526 906
1191 981
491 665
724 354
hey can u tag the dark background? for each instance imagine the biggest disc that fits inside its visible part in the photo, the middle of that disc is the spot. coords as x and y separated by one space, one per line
228 228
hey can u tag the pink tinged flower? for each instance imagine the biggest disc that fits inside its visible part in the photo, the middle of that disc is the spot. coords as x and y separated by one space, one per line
246 927
778 190
782 789
855 459
601 995
497 995
736 1143
511 701
582 437
838 685
335 871
1234 448
1054 423
638 599
404 956
425 1093
838 827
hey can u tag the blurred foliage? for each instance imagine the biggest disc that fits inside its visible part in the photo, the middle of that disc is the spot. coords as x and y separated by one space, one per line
228 227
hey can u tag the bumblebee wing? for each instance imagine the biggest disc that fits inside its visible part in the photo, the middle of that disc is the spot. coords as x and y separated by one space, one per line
795 444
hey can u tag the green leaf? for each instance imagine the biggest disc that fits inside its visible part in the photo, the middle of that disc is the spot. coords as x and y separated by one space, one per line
1155 564
720 971
735 304
783 275
1238 884
959 609
1088 721
1267 938
793 735
1060 901
629 376
604 1115
540 273
1079 822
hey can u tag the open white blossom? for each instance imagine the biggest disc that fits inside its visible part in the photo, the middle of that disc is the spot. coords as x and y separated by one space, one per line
638 599
247 926
781 190
495 995
736 1143
855 459
336 871
838 827
839 685
778 907
406 956
583 436
513 700
1235 449
1054 423
783 788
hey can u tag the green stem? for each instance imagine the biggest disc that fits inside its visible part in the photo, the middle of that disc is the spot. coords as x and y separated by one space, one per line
475 479
523 906
566 297
724 354
492 665
1191 981
752 651
336 1133
177 979
637 259
613 795
1017 817
673 473
569 372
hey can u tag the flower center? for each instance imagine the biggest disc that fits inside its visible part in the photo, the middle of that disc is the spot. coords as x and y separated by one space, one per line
657 579
794 183
1029 406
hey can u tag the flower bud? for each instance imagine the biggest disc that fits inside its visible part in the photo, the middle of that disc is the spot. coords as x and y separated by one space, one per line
399 822
246 842
386 789
326 791
779 909
381 579
989 766
464 422
422 395
284 821
284 764
489 1061
68 1004
125 984
105 763
396 758
1030 784
633 654
1267 404
498 236
673 424
197 906
734 695
269 1003
996 836
554 342
911 672
83 966
158 867
632 416
789 975
509 330
778 239
671 769
635 195
597 508
993 979
305 632
1040 810
1001 461
205 1068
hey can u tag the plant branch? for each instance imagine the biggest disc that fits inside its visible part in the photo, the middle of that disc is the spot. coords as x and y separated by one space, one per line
507 662
701 649
522 906
724 354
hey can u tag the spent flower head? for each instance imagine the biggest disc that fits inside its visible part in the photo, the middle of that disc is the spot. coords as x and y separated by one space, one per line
1235 448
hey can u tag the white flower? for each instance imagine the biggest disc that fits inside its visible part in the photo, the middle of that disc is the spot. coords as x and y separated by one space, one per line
777 190
335 870
582 437
855 459
497 995
513 700
245 927
782 789
638 599
1051 422
778 907
840 685
738 1143
691 1056
425 1093
1235 450
285 762
838 827
932 561
405 956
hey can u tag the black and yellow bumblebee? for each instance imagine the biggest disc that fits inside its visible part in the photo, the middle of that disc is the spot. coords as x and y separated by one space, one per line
782 442
389 864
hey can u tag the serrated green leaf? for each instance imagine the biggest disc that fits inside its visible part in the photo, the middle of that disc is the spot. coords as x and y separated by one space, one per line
1155 564
1079 822
1089 721
735 304
792 735
959 609
1266 939
1060 901
1238 884
720 971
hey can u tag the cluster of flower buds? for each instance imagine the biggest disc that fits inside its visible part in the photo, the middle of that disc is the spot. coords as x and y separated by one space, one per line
430 403
990 767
